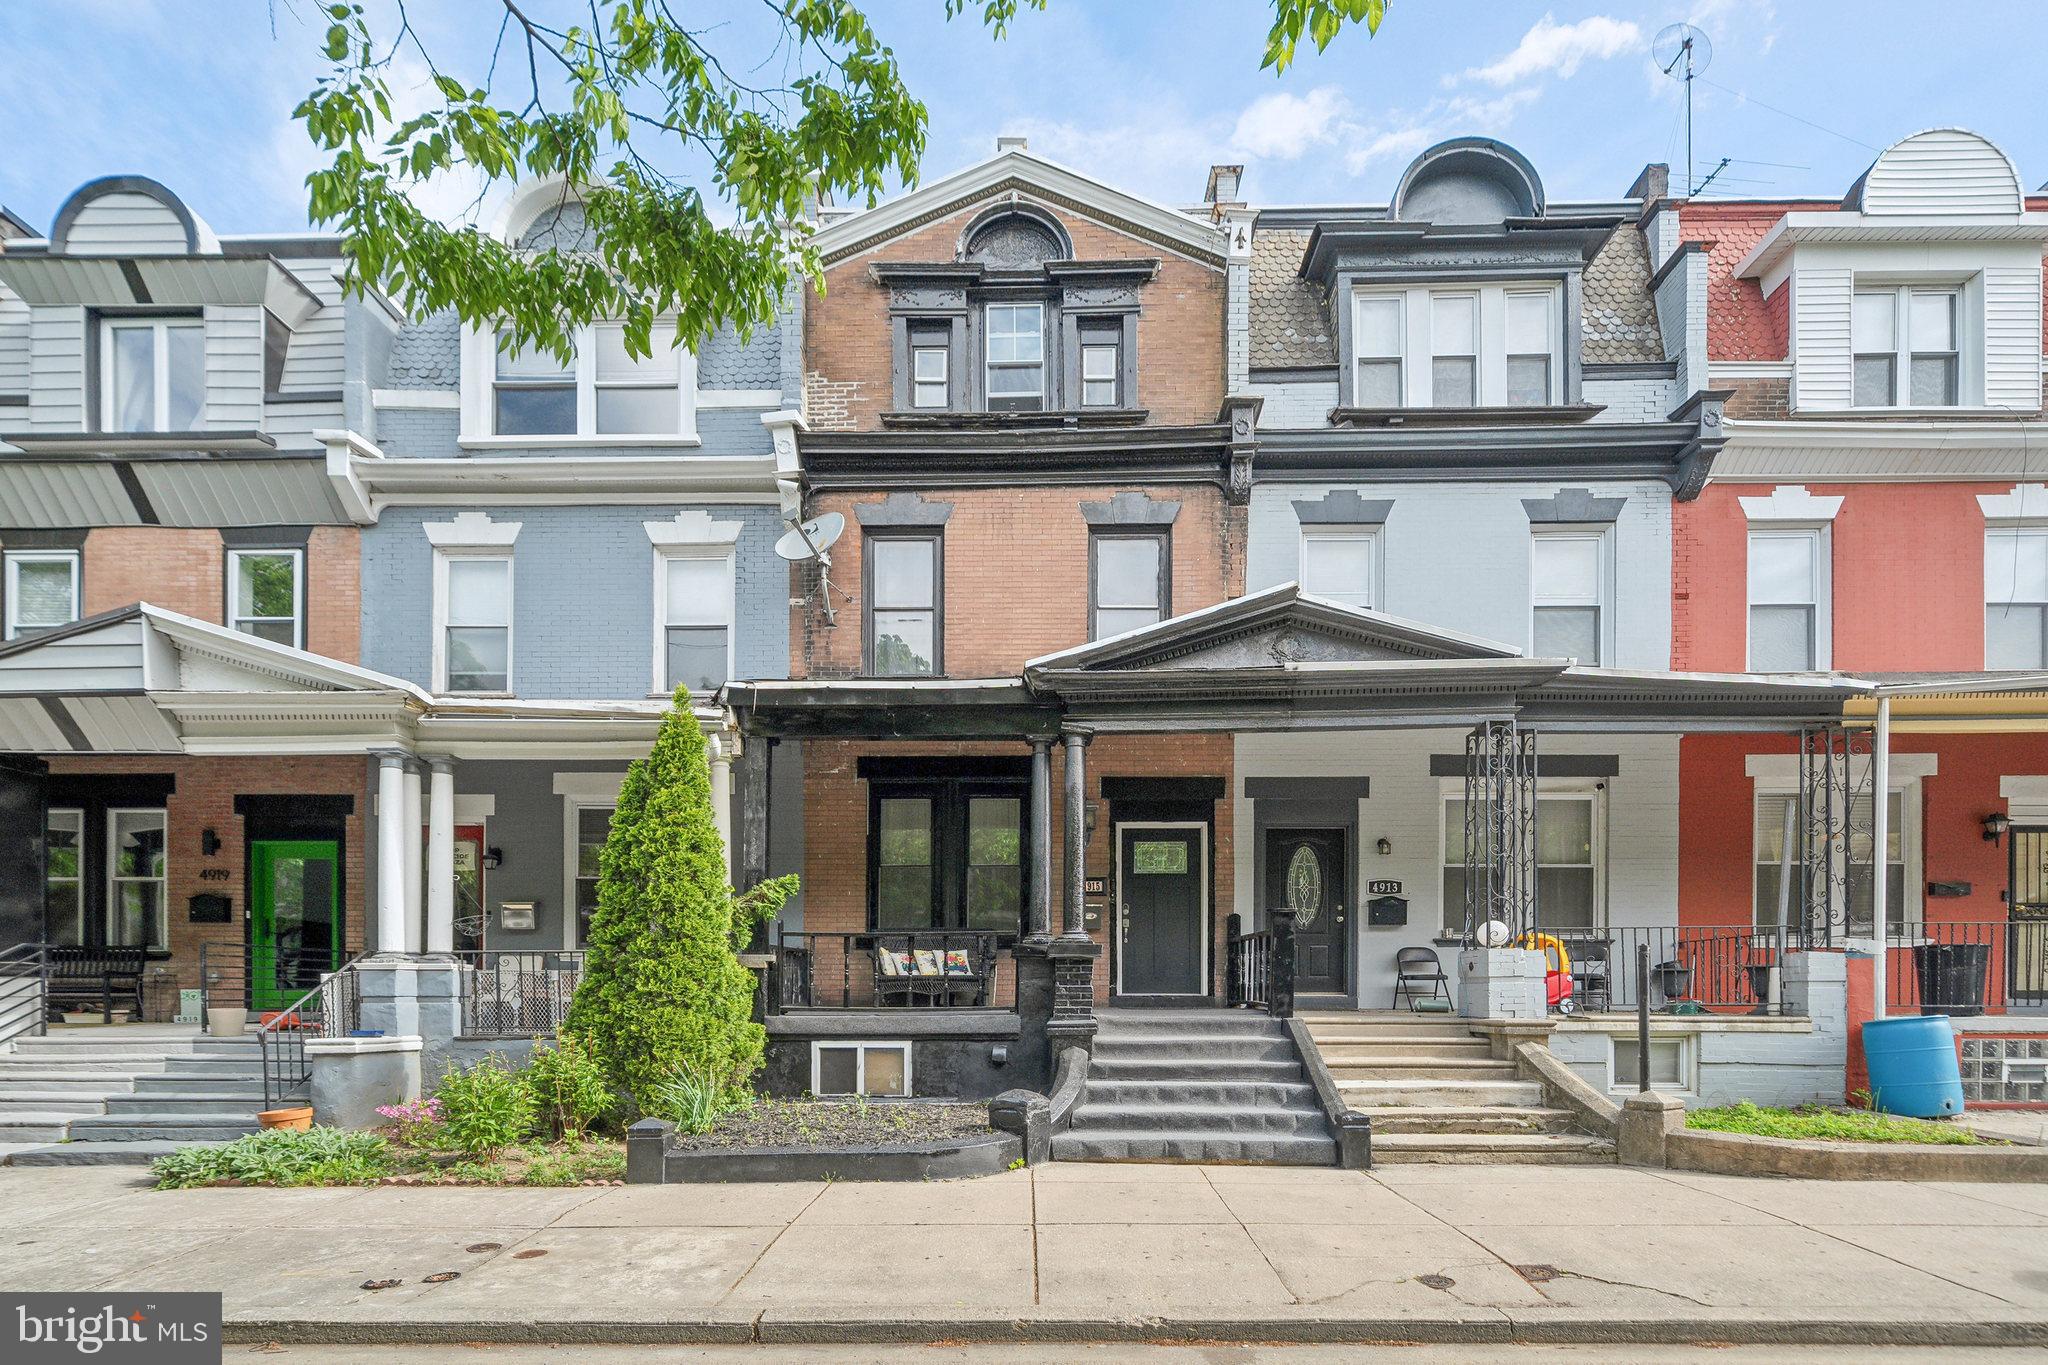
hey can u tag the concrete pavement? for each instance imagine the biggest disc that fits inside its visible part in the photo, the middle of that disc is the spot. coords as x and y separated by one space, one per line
1066 1253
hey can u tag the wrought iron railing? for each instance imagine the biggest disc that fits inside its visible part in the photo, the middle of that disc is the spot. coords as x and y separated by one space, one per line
1715 968
24 990
332 1009
236 975
883 969
1247 968
524 994
1966 967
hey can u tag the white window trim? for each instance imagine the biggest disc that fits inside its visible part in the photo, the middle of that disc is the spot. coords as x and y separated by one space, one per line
1821 537
479 378
14 559
1375 542
1688 1061
944 381
1593 789
988 366
160 366
663 685
442 555
1969 367
298 558
1775 779
2013 530
112 881
1604 589
861 1047
1491 381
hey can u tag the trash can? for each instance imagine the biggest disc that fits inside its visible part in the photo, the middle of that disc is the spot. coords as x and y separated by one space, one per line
1913 1067
1952 977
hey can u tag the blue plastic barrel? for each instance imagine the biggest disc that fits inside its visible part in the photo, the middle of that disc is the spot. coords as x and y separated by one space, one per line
1912 1063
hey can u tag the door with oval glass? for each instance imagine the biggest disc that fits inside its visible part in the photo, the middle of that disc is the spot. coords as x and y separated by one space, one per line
1305 873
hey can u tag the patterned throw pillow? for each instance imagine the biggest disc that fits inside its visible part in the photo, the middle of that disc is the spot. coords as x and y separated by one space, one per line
893 962
957 964
927 962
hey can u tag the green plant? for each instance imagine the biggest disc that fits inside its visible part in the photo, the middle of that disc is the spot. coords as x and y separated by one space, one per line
316 1156
691 1099
484 1108
572 1164
1829 1125
663 990
569 1086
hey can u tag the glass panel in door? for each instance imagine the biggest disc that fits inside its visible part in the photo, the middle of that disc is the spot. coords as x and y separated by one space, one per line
294 918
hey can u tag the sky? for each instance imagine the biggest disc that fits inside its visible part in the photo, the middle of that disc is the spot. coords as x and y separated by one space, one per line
1799 96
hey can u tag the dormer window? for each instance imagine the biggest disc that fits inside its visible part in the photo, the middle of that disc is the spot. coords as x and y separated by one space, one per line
1530 329
1016 357
1101 367
1453 350
1481 346
1906 332
1380 343
154 374
601 396
928 372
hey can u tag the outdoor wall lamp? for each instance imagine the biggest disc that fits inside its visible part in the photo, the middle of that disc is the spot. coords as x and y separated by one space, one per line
1386 847
494 858
1996 824
209 842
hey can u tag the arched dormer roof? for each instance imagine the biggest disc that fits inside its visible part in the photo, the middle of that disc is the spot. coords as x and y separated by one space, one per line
535 207
1941 171
1468 180
128 215
1014 236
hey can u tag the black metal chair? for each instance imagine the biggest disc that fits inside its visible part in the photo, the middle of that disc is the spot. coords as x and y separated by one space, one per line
1592 972
1419 966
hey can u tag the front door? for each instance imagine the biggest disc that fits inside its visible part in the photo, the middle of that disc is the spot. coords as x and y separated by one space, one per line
2026 957
470 919
1305 874
1159 877
294 918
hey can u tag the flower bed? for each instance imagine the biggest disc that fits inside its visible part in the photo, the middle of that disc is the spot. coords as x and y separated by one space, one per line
1813 1122
338 1156
838 1124
827 1140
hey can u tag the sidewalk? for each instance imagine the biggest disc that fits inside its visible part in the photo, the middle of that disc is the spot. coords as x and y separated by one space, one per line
1116 1253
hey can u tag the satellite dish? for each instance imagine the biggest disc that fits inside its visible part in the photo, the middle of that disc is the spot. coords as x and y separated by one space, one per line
1682 51
810 539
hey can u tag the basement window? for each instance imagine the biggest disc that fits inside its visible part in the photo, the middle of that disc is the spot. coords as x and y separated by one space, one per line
875 1070
1669 1064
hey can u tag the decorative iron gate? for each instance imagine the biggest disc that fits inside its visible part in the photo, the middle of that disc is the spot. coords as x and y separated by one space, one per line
1835 812
2026 949
1500 833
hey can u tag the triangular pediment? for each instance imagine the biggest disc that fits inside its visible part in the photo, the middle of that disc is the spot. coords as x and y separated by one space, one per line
1274 629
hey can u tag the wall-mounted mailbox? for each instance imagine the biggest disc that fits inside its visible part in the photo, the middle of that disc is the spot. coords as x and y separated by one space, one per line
1386 911
1091 916
210 907
516 916
1948 888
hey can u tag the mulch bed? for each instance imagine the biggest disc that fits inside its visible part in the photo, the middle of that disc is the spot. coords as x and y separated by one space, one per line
840 1124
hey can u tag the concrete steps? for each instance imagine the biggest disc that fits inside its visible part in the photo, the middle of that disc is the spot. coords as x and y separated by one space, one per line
95 1090
1489 1149
1454 1119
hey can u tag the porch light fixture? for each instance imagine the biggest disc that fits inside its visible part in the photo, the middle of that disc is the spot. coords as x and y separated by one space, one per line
209 842
494 858
1386 847
1996 824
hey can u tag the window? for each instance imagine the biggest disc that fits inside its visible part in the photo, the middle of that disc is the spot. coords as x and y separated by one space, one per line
872 1069
1670 1064
948 853
1787 600
1567 579
636 396
2016 597
696 594
263 594
1016 356
475 607
1101 342
1910 332
153 374
1128 577
1529 333
1380 338
928 386
601 392
535 395
1454 350
1570 874
591 826
1339 563
64 877
136 879
1773 809
904 592
42 591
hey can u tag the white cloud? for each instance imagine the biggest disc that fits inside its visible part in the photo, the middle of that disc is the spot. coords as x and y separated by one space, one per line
1554 49
1401 143
1285 126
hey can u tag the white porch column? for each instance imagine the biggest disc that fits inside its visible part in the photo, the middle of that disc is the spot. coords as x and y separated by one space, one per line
720 747
415 856
441 856
1880 835
391 853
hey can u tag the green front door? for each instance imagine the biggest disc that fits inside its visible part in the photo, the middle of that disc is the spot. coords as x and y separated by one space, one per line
294 918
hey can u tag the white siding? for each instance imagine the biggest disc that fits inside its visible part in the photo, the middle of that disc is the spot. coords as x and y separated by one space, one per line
125 224
314 359
1823 374
292 425
1942 171
234 369
1294 406
14 349
105 660
2012 338
56 391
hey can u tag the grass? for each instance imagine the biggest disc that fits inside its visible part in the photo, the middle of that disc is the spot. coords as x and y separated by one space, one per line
335 1156
1816 1122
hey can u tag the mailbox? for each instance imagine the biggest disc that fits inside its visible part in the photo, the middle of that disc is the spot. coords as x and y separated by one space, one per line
1386 910
210 907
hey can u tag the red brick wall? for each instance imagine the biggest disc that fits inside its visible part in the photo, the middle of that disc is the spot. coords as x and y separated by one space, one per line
1180 331
205 799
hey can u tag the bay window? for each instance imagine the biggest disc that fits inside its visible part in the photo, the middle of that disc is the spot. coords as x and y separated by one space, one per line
1530 329
153 374
1380 333
1454 350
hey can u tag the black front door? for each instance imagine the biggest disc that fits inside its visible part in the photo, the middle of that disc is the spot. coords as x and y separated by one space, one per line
1160 950
1305 874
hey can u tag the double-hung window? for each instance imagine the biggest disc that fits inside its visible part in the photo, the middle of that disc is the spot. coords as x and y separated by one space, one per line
905 587
1777 813
1129 574
1015 345
1454 350
137 879
1788 617
1340 563
152 374
1906 347
1570 875
947 854
534 394
1380 329
1457 346
2016 597
601 391
589 826
1101 362
64 876
697 599
1530 329
264 595
42 591
474 597
930 366
1568 582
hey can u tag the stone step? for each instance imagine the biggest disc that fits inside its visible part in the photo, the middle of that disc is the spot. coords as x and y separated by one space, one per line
1316 1018
1529 1149
99 1153
1428 1094
60 1044
1188 1023
1216 1120
1380 1067
52 1102
198 1085
36 1126
1388 1119
229 1103
1217 1091
1401 1044
193 1066
64 1082
1193 1068
1267 1149
162 1127
1170 1047
118 1064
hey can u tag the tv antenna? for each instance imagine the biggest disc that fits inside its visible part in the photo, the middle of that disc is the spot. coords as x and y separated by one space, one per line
1681 52
814 539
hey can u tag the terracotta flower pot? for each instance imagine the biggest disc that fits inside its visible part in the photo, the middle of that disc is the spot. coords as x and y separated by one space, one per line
297 1119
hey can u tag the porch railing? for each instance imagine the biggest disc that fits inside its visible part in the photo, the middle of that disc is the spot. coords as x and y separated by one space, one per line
1966 967
523 994
24 990
883 969
1246 968
235 976
1722 969
331 1009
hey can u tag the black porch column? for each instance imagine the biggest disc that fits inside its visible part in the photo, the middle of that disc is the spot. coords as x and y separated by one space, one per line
24 821
1074 925
1039 929
750 867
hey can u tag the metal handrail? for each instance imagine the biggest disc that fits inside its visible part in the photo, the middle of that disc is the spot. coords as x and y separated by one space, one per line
24 990
281 1040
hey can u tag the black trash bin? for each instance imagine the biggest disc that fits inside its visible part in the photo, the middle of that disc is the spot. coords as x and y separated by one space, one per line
1952 977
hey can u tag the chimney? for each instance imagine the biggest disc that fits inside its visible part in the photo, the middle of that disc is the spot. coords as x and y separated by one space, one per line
1012 144
1653 183
1223 185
